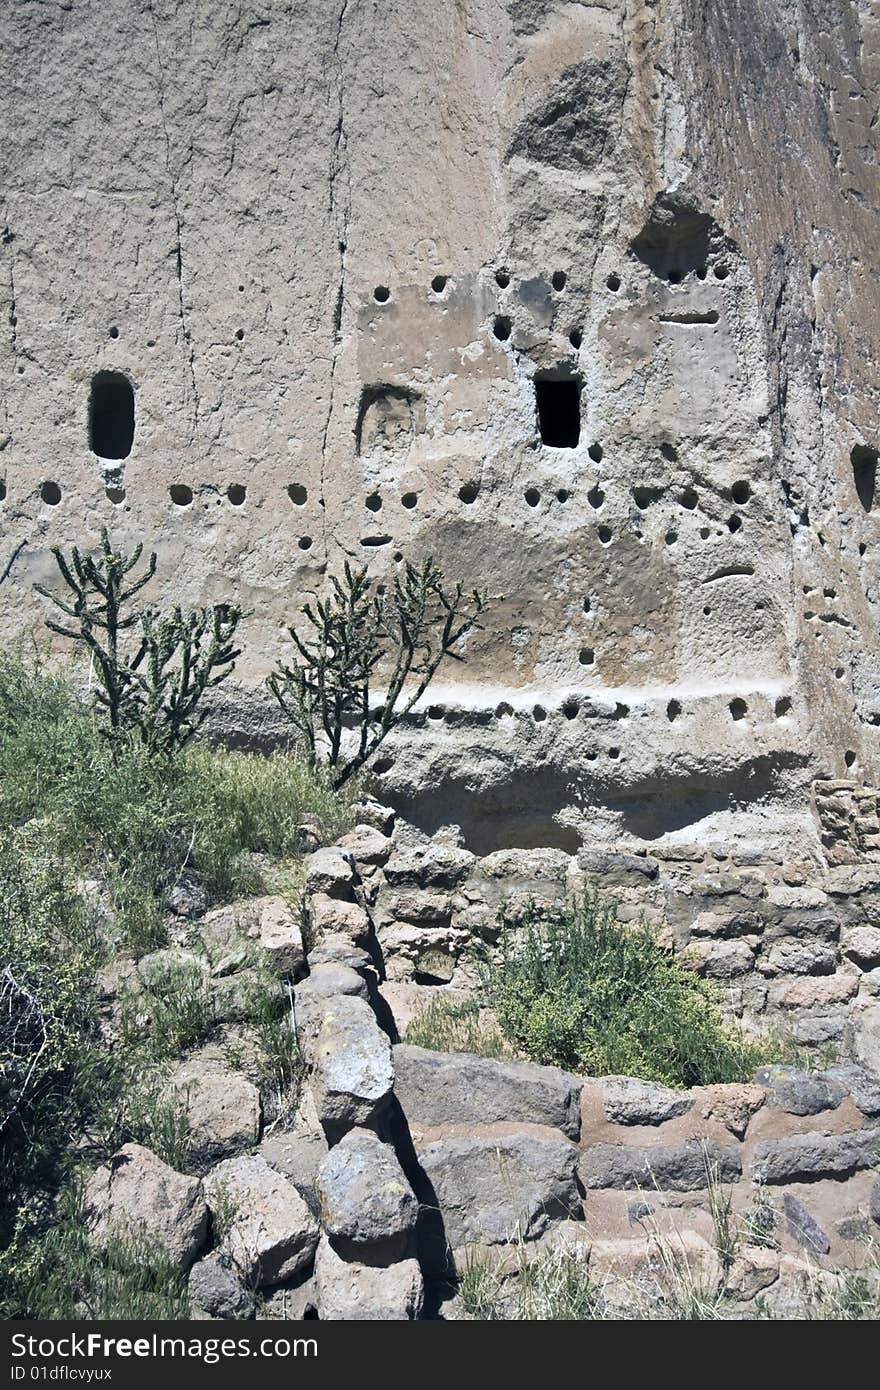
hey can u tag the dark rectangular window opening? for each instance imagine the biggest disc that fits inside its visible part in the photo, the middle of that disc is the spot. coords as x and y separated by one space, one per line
559 411
111 416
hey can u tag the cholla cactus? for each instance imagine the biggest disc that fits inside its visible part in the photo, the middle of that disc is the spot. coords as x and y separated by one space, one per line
406 631
151 689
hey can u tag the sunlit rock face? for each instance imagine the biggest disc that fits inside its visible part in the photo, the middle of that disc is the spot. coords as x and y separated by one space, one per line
581 300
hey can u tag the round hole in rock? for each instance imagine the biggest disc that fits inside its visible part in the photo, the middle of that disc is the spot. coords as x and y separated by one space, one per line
409 500
558 279
571 709
501 327
398 556
2 490
297 494
613 283
839 673
539 714
436 711
721 271
669 451
239 333
373 502
502 279
705 533
738 709
438 284
734 523
595 452
849 757
595 497
621 711
862 547
504 710
50 493
305 542
741 492
468 493
588 605
180 494
236 494
592 755
381 294
689 499
383 765
562 494
642 496
782 706
673 710
114 332
614 752
532 496
702 272
116 495
707 611
586 656
575 337
605 535
671 537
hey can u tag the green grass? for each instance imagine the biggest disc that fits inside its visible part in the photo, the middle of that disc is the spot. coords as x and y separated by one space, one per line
137 821
447 1025
59 1273
584 991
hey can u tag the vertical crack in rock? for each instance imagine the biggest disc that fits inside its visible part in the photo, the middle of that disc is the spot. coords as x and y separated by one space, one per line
340 213
175 203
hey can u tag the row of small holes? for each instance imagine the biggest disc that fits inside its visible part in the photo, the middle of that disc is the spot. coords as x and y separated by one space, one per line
558 280
571 709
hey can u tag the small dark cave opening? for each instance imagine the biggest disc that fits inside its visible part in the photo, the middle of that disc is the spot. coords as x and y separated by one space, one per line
864 467
111 415
558 402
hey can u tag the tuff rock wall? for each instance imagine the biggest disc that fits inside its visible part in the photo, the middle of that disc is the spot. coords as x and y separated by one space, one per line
580 298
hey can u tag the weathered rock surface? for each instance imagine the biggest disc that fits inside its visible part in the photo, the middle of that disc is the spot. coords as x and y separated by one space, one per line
494 1187
139 1195
365 1198
803 1157
350 1058
438 1088
683 1167
352 1292
281 936
215 1290
222 1107
629 1101
799 1092
265 1227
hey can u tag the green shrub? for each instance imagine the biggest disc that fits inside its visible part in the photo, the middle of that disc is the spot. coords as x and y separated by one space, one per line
586 992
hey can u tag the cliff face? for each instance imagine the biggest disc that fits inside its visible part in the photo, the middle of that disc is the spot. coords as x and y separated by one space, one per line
581 299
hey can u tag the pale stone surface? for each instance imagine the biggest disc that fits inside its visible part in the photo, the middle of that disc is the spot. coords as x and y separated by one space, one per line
139 1195
631 1102
281 936
636 239
267 1230
351 1292
222 1107
350 1057
862 945
437 1088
